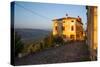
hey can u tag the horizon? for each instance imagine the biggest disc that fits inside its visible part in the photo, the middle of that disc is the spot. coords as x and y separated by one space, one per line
35 15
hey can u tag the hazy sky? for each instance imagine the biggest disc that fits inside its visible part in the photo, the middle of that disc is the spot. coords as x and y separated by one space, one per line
40 15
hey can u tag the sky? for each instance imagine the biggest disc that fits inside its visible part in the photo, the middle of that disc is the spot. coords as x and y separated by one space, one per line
40 15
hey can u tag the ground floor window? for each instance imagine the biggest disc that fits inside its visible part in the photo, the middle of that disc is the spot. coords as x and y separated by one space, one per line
72 37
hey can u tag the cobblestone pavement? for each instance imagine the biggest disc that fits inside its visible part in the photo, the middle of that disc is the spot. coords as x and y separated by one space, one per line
72 52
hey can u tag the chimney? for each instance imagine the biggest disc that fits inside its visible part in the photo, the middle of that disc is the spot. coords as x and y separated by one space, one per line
79 19
66 15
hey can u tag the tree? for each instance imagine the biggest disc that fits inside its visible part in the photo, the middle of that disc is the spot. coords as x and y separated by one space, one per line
48 40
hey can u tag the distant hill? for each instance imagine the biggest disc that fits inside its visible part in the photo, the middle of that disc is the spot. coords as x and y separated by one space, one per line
29 35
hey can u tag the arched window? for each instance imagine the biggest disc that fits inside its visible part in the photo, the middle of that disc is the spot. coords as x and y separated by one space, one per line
63 28
56 28
72 28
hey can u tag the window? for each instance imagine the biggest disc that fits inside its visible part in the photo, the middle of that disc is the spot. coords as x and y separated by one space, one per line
72 28
72 37
77 35
82 32
72 21
56 28
63 28
63 21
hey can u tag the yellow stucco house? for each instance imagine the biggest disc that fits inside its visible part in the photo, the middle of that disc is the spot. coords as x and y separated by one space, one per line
69 28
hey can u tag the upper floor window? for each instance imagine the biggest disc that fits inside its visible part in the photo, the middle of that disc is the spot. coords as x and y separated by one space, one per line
56 28
72 21
72 28
63 28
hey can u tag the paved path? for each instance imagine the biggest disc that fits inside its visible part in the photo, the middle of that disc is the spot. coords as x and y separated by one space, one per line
73 52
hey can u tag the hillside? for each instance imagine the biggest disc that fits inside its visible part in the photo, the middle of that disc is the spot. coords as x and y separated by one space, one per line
29 35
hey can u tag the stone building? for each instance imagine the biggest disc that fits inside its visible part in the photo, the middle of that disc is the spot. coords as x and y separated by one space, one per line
92 31
69 28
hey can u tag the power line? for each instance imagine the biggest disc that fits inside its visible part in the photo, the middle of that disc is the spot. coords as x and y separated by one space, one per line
33 12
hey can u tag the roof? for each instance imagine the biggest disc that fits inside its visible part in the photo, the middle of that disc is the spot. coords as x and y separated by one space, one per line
64 18
78 19
59 19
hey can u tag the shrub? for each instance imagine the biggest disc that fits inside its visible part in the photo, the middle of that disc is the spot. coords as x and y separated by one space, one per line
18 44
58 40
48 41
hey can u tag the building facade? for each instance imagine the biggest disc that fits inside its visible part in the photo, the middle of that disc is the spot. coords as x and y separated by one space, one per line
69 28
92 30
